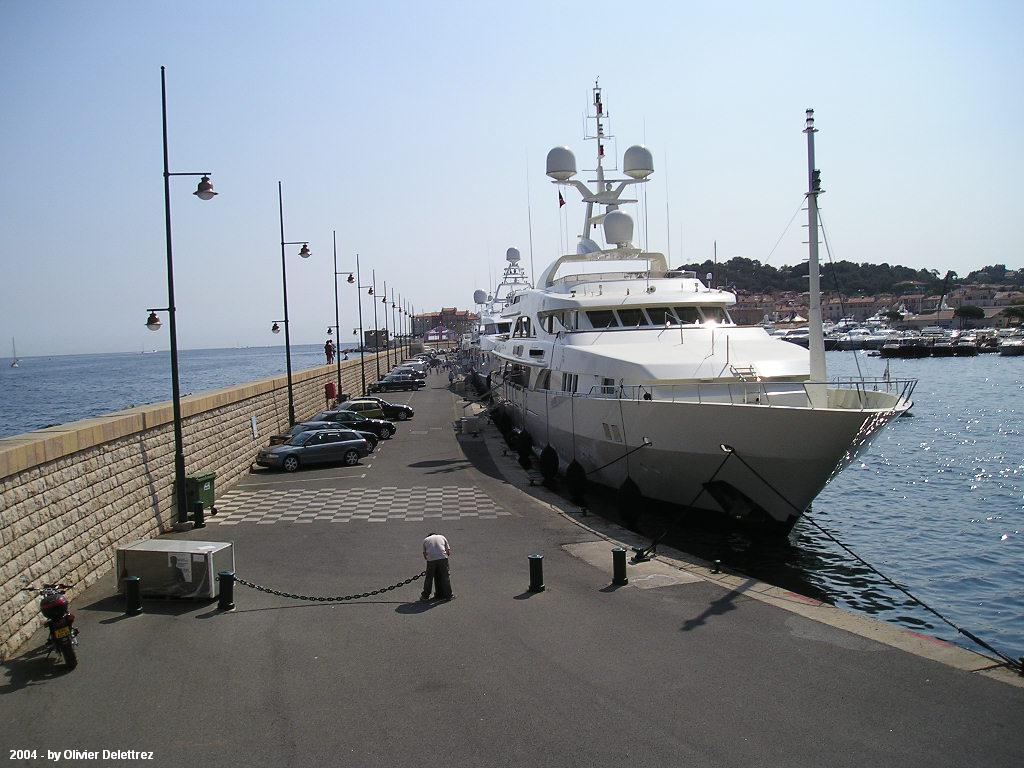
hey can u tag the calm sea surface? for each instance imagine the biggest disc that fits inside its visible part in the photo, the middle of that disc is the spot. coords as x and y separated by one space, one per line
937 502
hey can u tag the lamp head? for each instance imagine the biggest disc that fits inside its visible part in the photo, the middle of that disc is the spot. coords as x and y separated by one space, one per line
275 328
153 322
370 291
205 189
304 251
330 331
351 279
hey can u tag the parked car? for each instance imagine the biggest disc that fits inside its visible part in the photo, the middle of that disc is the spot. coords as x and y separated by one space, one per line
363 407
395 411
315 446
416 373
349 420
395 382
306 426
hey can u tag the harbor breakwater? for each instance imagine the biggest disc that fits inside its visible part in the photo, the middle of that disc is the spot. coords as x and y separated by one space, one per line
71 494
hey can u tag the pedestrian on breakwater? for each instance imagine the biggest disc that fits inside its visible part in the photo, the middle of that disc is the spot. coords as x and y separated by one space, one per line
436 551
329 351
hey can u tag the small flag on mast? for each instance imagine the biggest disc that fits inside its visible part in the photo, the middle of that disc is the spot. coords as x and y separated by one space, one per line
561 200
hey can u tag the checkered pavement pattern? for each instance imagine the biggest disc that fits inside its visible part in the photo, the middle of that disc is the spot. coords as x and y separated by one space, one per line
336 505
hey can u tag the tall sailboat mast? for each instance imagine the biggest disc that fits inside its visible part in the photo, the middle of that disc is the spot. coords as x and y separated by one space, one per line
816 340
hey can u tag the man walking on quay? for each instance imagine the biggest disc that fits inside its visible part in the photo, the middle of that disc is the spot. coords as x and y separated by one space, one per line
436 551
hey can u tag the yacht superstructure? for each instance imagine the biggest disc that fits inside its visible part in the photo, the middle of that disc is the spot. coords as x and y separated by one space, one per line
493 327
637 373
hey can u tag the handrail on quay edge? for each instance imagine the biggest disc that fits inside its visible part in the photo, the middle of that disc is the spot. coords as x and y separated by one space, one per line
745 393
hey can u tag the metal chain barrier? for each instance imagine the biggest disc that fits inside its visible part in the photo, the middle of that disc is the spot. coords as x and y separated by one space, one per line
321 599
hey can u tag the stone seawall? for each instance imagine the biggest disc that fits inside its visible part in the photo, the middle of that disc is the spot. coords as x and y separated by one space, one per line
71 494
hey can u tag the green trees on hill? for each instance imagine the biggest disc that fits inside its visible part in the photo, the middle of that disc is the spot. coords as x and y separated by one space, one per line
751 276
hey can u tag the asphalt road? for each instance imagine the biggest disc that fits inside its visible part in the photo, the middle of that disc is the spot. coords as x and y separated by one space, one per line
579 675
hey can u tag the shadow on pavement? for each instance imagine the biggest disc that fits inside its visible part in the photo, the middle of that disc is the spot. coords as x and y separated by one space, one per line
31 668
722 605
324 604
115 604
525 595
419 606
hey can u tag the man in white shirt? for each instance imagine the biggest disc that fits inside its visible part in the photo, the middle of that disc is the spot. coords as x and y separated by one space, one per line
436 550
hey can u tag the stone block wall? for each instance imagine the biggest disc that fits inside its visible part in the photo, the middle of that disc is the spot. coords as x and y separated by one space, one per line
71 494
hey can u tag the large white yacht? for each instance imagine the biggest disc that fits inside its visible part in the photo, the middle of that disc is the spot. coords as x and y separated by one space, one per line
637 373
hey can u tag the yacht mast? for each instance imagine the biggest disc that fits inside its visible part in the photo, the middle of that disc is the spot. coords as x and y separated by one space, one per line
816 342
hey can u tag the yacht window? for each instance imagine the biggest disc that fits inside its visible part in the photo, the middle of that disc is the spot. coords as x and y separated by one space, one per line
688 315
662 316
607 386
632 317
548 323
715 315
569 382
504 327
602 318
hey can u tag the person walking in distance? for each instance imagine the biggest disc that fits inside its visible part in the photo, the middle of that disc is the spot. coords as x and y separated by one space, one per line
329 351
436 551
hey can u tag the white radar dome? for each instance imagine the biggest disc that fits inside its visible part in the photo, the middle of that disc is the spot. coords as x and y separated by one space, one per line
512 255
479 297
561 164
618 228
638 162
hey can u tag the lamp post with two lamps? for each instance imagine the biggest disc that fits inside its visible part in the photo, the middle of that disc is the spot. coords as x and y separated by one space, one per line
337 321
376 332
204 192
305 253
387 330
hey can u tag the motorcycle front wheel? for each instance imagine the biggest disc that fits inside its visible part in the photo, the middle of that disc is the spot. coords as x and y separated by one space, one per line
67 650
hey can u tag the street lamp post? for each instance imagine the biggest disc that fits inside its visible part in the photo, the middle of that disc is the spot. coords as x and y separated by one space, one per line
204 191
387 331
362 336
304 252
394 325
376 333
337 321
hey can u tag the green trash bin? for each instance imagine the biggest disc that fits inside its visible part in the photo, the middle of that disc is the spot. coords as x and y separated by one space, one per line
199 487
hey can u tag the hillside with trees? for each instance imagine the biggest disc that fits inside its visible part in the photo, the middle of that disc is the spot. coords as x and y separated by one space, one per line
751 276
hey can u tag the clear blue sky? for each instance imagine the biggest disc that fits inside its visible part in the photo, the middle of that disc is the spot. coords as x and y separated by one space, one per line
407 126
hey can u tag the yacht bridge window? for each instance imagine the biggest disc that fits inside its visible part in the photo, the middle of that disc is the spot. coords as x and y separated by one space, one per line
634 317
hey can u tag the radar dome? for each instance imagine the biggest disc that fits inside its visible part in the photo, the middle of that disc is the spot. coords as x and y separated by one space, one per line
561 164
479 297
638 162
512 255
618 228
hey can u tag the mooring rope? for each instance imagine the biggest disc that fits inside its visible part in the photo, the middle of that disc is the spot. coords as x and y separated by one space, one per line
1016 665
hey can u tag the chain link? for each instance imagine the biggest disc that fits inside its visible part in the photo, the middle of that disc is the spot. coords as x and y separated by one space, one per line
321 599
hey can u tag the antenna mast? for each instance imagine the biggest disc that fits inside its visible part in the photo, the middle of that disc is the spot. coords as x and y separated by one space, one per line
816 342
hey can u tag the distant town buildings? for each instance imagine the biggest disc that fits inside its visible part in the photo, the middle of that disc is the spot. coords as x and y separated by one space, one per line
917 309
449 324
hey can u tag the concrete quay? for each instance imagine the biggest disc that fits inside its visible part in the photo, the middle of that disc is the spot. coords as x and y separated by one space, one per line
680 667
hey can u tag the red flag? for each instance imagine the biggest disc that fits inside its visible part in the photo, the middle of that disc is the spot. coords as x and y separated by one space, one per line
561 200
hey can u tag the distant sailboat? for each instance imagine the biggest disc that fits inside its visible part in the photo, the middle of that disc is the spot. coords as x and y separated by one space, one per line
14 354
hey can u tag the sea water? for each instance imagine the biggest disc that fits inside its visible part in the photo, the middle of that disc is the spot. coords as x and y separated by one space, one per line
936 503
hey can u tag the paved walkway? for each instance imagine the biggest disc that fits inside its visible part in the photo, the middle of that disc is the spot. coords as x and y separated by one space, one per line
671 670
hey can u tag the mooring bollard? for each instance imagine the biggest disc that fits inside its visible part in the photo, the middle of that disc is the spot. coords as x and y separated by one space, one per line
619 567
536 573
226 581
717 567
133 596
198 515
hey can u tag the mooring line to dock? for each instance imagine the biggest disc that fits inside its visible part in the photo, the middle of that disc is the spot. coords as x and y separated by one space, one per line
1015 664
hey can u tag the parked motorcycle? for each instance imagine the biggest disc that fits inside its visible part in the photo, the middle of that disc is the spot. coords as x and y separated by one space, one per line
53 603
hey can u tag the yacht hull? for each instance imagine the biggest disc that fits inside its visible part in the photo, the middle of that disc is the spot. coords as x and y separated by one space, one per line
783 457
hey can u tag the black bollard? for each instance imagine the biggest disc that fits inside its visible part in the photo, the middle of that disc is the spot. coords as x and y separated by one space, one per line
133 596
226 581
198 516
536 573
717 567
619 567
